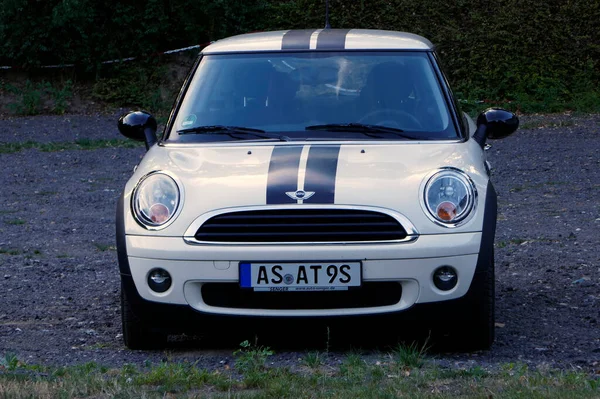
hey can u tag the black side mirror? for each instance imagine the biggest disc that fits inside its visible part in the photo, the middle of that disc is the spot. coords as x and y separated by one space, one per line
140 126
495 123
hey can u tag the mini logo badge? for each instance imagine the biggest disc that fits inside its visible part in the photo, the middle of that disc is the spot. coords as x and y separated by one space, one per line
300 194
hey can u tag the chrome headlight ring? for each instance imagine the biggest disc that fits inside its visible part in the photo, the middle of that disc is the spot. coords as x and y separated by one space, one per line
449 197
156 200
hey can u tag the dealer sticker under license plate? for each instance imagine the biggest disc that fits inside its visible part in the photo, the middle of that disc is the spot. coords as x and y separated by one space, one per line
313 276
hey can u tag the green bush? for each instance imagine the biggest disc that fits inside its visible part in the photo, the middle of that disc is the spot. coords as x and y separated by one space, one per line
531 55
86 32
528 55
32 97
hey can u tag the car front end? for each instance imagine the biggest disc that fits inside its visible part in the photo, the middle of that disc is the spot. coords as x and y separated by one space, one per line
299 182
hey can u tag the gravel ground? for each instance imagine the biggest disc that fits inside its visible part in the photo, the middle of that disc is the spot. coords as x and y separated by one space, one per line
59 302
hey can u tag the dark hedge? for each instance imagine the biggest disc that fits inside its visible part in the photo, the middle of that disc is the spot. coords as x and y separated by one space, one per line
532 53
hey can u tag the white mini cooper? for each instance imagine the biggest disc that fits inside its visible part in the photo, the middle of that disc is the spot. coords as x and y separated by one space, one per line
306 174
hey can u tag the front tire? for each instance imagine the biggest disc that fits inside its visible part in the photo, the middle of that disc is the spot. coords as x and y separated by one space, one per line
469 324
136 334
478 332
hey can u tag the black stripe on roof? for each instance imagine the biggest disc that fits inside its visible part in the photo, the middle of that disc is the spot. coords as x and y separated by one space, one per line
332 39
297 39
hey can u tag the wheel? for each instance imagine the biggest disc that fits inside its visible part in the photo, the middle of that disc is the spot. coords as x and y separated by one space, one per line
475 330
391 117
479 331
136 334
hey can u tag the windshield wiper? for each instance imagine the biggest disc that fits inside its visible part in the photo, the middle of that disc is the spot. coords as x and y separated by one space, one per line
367 130
232 131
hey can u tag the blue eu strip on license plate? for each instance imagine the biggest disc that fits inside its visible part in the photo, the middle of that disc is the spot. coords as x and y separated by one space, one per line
314 276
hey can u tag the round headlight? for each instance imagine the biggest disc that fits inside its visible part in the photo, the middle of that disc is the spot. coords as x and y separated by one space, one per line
155 200
449 196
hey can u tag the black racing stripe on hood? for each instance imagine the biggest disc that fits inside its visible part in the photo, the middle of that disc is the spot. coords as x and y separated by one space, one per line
332 39
321 170
283 174
297 39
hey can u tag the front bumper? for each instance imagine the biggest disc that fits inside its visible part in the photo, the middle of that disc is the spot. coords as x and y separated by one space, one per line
409 264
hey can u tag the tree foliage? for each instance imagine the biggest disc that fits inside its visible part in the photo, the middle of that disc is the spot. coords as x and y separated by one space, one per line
541 51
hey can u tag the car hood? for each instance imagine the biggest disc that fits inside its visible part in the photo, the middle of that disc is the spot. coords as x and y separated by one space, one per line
379 175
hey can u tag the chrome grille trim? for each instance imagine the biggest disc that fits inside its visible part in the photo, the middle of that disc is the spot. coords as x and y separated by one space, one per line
189 236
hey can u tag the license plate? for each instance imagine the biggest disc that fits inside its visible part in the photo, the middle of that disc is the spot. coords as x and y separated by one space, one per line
314 276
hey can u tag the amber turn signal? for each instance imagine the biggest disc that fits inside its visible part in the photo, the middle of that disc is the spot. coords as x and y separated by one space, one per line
159 213
446 211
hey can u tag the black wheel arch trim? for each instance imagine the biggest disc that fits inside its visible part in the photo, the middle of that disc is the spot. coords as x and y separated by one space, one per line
488 232
124 268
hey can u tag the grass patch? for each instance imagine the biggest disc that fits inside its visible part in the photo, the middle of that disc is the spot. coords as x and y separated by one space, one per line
32 98
353 378
546 124
15 222
410 356
313 360
81 144
12 252
9 362
549 185
251 358
105 247
143 84
516 241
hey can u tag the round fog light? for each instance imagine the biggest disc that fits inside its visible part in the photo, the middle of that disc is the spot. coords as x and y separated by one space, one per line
445 278
159 280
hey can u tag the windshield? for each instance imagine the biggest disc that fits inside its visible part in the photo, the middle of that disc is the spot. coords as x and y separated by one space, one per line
314 96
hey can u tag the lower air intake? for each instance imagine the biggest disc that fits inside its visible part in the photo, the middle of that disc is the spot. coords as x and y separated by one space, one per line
371 294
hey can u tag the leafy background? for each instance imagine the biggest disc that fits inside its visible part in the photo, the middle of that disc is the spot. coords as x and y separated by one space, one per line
527 55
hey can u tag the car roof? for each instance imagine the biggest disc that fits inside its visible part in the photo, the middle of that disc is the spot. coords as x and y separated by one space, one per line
320 39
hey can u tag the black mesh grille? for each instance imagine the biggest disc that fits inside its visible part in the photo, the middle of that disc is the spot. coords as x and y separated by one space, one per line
301 225
370 294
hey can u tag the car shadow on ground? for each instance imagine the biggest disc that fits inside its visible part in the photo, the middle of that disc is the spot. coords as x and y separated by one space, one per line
368 334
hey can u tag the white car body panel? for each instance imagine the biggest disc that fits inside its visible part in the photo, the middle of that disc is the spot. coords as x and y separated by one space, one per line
226 176
375 175
415 276
355 39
